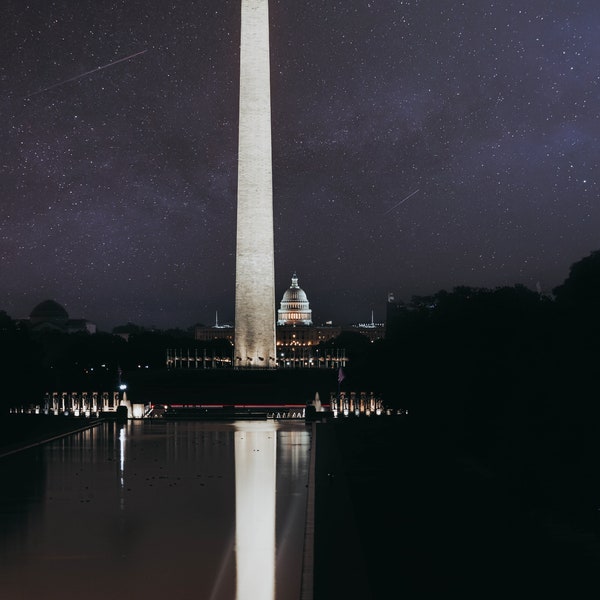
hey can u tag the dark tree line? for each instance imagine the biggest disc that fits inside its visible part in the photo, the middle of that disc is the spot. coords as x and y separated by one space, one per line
508 376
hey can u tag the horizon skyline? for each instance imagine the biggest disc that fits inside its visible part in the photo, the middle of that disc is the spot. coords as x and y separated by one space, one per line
216 319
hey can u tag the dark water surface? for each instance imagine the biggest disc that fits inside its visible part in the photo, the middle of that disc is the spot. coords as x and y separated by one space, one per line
154 509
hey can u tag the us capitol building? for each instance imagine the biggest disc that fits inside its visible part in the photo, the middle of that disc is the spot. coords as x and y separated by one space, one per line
299 342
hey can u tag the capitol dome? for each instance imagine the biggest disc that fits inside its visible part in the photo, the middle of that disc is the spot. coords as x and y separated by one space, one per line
295 309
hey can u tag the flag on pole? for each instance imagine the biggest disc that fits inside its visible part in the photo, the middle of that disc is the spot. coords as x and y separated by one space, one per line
341 375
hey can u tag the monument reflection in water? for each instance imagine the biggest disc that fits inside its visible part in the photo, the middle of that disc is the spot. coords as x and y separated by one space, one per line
153 509
255 464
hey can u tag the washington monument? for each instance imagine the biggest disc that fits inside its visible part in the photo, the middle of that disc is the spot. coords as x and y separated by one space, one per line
254 269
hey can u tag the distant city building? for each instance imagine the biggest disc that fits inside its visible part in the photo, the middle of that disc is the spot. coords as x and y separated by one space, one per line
374 331
299 342
49 315
306 335
294 308
214 332
295 327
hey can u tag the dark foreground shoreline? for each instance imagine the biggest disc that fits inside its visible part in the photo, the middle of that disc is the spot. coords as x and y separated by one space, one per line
399 515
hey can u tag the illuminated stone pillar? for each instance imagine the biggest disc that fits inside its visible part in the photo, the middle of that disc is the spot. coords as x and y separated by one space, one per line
255 271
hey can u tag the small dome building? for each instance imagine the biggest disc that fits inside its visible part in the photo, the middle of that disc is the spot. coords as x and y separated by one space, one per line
294 308
49 315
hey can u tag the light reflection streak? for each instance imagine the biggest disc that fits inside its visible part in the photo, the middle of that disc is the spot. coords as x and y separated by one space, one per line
122 436
255 486
292 446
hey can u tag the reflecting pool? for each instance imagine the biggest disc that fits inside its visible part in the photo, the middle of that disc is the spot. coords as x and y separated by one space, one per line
155 509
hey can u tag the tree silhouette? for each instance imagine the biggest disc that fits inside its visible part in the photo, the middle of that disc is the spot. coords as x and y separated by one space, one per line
581 289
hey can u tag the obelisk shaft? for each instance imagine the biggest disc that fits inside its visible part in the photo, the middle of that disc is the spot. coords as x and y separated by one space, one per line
255 271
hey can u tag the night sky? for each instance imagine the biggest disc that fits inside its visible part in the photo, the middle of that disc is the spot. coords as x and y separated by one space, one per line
417 146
